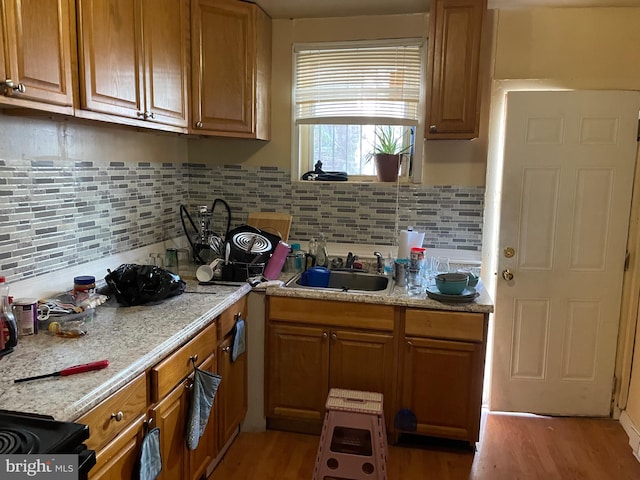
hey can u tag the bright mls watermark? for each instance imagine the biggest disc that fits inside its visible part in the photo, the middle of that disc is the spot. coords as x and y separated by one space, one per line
50 467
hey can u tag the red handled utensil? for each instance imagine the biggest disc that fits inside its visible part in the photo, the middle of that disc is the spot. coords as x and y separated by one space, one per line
85 367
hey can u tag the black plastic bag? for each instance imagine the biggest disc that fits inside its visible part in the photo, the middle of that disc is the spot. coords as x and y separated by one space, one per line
137 284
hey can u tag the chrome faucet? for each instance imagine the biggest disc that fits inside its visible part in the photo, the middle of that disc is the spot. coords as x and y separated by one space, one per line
379 262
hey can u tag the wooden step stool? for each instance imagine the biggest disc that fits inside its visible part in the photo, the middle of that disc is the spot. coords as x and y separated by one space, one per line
353 442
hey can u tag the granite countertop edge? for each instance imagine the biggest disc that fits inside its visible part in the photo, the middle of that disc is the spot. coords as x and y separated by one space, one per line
482 304
130 354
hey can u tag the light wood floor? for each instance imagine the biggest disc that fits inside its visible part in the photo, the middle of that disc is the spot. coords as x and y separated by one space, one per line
511 447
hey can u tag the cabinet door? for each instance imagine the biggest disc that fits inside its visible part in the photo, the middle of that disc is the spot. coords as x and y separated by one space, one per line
297 373
119 459
223 60
232 394
110 57
364 361
201 457
453 67
442 385
38 50
170 416
165 35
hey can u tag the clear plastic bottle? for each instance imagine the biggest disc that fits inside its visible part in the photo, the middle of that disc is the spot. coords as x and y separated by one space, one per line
311 254
321 255
388 265
9 330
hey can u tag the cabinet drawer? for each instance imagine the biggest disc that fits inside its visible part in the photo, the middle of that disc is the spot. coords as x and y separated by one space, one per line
440 324
130 401
119 458
331 314
228 318
173 369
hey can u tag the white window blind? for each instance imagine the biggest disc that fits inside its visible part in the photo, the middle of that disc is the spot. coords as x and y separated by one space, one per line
379 81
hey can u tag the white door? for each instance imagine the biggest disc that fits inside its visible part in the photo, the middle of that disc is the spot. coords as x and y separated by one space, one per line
569 162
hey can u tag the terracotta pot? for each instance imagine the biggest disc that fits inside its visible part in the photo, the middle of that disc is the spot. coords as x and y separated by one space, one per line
387 166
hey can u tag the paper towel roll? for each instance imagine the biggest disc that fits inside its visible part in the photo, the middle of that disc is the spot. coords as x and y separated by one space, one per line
409 239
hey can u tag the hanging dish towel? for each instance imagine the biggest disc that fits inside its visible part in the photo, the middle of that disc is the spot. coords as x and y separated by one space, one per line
150 457
239 340
205 386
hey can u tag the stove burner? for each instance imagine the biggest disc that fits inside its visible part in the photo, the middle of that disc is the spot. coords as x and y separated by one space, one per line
259 243
17 441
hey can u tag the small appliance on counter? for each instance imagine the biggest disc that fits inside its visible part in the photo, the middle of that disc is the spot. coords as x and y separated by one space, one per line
28 433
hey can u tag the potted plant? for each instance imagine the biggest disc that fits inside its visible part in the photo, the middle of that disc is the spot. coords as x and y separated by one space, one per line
387 153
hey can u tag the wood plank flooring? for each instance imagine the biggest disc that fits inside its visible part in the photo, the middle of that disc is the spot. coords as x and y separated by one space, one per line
511 447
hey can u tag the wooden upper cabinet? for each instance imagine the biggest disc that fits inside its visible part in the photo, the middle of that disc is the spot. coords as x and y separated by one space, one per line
165 34
453 89
110 58
133 60
35 54
231 69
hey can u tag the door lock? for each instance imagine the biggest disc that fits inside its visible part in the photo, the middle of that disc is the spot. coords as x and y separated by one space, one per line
507 275
509 252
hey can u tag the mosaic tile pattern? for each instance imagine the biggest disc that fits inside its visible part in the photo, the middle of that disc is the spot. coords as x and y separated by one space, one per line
57 213
451 217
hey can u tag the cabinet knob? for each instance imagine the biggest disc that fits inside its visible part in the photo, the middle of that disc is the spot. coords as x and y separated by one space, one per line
141 114
149 115
325 334
193 358
12 87
226 349
433 129
198 124
117 416
409 344
334 336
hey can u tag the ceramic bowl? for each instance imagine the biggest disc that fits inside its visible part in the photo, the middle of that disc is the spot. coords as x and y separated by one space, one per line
452 283
473 277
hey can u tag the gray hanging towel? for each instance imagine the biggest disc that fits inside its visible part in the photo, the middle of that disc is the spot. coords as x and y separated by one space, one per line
239 341
150 457
205 386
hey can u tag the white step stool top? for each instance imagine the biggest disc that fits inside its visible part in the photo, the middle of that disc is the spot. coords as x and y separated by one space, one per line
354 401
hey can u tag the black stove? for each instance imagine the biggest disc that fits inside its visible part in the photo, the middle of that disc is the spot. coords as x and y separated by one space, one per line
25 433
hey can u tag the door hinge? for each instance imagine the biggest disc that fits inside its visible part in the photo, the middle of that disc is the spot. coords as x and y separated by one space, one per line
627 257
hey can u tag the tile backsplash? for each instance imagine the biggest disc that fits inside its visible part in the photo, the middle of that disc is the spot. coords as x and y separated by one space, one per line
95 194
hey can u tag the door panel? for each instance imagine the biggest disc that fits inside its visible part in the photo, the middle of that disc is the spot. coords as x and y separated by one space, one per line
569 160
110 63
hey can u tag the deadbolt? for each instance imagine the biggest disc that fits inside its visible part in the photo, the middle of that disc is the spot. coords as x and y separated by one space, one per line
509 252
507 275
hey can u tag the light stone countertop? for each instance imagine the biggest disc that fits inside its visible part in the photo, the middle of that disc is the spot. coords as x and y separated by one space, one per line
132 338
481 304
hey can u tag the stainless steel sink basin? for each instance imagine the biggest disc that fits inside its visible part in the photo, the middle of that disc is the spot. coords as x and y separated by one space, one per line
348 281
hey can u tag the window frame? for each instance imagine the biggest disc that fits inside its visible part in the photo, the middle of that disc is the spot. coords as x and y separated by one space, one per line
297 168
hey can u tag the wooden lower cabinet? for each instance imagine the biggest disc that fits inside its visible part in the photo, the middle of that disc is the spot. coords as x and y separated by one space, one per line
442 385
364 361
170 415
119 459
305 361
232 394
298 375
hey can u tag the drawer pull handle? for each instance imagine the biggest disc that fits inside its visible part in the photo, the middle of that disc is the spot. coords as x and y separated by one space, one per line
409 344
117 416
194 358
226 349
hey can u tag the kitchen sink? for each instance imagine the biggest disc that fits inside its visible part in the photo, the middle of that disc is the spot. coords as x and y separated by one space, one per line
348 281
